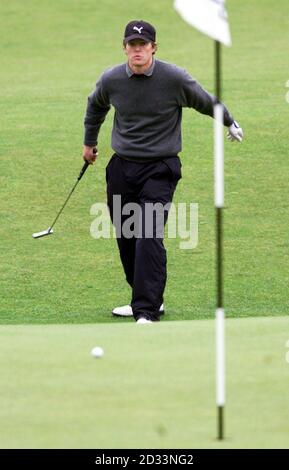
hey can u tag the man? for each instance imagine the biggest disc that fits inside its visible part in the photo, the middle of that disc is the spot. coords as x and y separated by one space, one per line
148 96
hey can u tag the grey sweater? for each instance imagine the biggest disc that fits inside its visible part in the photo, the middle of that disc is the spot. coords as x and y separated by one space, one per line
148 109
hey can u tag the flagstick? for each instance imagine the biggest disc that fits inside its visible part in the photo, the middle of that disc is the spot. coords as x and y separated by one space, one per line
219 204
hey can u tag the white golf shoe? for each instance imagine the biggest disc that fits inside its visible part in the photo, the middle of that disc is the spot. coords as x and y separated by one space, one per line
126 311
143 321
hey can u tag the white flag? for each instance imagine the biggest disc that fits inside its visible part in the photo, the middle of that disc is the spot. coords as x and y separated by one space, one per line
208 16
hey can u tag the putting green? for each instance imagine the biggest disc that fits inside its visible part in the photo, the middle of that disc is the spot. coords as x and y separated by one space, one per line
154 387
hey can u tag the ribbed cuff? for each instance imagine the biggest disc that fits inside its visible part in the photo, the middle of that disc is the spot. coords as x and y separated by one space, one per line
90 143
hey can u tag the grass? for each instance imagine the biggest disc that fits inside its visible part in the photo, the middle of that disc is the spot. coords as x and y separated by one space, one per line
153 388
49 65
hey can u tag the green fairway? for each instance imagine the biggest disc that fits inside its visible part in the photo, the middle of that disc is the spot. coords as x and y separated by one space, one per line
52 52
153 388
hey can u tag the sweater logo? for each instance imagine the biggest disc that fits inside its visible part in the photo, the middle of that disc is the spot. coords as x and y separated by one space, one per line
138 29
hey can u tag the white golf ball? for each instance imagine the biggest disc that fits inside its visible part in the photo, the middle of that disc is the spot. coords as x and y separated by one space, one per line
97 352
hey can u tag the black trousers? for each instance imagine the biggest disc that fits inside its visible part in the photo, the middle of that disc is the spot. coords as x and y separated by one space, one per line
143 257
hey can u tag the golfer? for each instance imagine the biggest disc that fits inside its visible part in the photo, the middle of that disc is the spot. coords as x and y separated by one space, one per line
148 96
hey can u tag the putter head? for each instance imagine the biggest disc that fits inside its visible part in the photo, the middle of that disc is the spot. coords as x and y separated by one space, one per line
49 231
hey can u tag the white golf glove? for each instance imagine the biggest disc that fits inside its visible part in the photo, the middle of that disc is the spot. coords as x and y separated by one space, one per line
235 132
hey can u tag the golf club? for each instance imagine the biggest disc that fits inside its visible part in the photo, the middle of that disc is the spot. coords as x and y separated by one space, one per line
49 231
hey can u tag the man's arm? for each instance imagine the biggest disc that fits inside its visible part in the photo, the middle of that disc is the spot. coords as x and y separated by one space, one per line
192 95
97 108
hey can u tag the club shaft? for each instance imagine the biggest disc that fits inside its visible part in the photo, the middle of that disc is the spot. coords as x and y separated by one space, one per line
83 169
67 199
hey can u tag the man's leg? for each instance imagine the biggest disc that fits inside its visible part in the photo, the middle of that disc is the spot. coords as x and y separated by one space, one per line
126 248
117 186
150 255
149 278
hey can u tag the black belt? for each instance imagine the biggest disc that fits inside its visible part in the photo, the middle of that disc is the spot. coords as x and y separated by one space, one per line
143 159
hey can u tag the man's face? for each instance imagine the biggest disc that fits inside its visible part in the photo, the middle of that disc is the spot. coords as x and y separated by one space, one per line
139 52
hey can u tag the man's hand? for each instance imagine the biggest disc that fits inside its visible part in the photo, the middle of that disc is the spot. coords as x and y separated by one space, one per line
89 154
235 132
